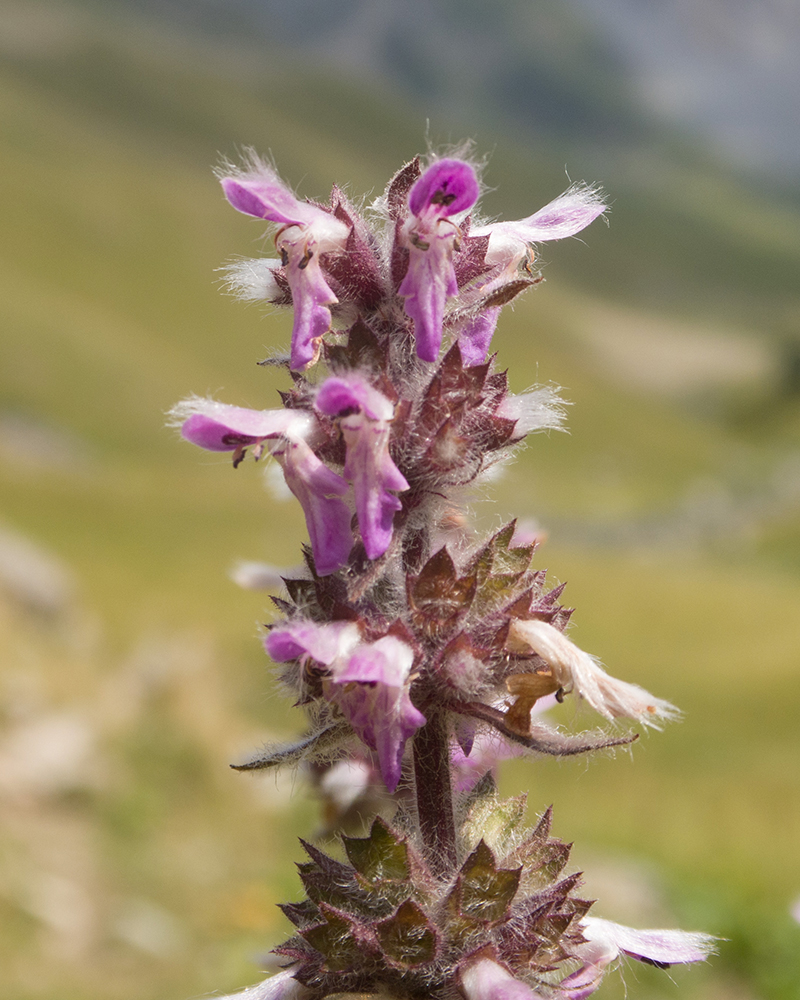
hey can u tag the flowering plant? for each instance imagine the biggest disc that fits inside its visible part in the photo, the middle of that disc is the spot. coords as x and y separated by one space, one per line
421 654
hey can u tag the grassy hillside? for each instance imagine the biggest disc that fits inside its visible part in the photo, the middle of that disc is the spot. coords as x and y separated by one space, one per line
133 863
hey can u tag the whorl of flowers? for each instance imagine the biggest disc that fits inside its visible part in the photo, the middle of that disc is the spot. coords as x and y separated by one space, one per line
421 654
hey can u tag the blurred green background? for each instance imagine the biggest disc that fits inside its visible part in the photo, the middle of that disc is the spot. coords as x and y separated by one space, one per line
133 862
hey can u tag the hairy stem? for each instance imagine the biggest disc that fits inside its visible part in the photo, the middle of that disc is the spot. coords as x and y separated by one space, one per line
434 794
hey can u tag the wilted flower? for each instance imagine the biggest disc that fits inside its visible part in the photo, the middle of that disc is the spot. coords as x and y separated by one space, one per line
573 669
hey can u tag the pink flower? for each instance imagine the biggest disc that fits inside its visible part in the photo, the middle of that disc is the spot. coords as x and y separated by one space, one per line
319 491
218 427
306 232
565 216
368 681
365 415
447 188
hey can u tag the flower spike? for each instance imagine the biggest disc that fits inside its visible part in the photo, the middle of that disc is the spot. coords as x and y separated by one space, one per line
422 655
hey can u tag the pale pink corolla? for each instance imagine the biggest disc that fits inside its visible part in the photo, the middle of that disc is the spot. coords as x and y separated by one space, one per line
484 979
606 941
509 246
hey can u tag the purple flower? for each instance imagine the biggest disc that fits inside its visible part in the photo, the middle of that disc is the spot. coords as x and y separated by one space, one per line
323 643
484 979
447 188
306 232
371 688
319 491
606 941
218 427
365 415
368 681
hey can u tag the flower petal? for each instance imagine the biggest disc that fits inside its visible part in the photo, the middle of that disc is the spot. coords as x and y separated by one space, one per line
371 688
565 216
606 941
311 296
219 427
257 190
368 464
486 979
430 280
282 986
318 489
476 334
323 643
661 947
337 394
447 187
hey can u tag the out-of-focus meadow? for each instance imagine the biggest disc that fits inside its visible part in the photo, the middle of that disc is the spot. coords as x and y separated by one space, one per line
133 862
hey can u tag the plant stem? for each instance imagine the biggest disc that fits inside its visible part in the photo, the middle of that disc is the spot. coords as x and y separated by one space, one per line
434 794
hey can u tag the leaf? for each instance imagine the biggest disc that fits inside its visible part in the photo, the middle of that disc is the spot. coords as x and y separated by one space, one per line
510 290
470 261
318 743
399 187
438 595
337 939
499 570
485 891
379 858
302 592
498 821
361 351
408 938
301 914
